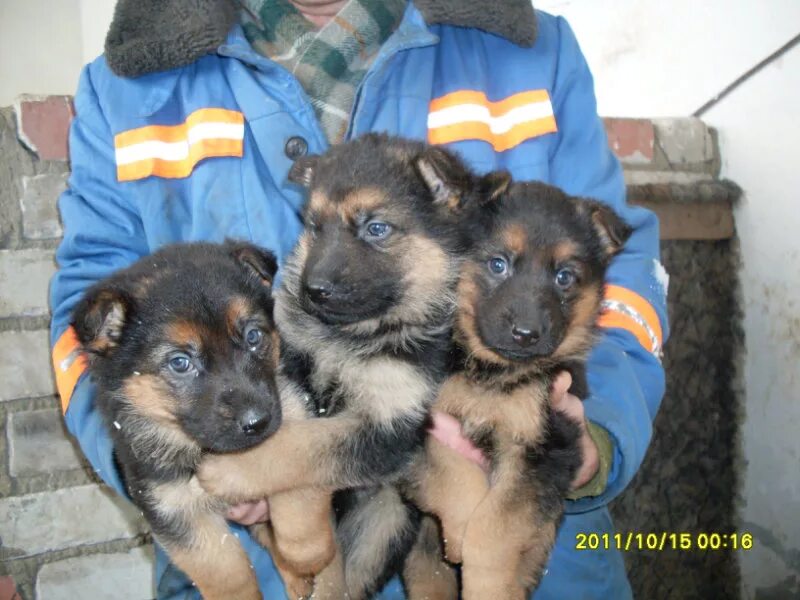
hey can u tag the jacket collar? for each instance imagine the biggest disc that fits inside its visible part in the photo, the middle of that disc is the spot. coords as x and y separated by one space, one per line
148 36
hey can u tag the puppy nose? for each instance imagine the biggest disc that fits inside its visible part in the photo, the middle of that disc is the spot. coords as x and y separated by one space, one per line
525 336
319 290
254 423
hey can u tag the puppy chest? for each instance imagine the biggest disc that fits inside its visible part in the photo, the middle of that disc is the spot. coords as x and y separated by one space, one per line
517 416
382 389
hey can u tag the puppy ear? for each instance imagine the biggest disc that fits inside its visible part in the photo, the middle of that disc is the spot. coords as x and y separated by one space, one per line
444 175
100 318
610 227
493 185
258 261
302 171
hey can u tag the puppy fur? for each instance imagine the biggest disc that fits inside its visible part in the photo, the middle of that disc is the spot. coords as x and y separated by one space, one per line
184 352
365 311
528 300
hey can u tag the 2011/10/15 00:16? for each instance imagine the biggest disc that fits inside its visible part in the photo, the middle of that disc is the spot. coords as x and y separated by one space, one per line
664 541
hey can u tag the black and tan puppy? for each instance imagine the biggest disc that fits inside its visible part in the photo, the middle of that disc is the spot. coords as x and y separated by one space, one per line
528 301
183 348
365 312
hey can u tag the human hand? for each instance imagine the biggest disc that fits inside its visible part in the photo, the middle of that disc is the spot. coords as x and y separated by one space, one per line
562 401
447 430
249 513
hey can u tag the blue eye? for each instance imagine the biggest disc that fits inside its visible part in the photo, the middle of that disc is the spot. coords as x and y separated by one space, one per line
253 337
378 230
180 363
498 265
565 278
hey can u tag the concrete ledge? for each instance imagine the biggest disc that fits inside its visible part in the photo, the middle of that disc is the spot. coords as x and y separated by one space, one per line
702 211
712 221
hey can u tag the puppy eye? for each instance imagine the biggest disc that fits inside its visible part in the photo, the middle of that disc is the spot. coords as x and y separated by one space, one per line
378 230
498 265
253 337
180 363
565 278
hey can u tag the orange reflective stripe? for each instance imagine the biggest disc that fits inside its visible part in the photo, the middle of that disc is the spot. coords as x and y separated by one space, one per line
496 109
628 310
178 169
174 133
173 151
481 131
611 319
531 97
69 363
505 123
639 304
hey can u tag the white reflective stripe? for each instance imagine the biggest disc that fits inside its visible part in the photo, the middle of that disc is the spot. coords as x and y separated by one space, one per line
177 151
661 275
329 108
625 309
65 364
466 113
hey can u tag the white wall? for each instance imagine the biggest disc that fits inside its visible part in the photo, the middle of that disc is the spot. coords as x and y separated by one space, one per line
759 128
655 58
95 18
40 47
44 44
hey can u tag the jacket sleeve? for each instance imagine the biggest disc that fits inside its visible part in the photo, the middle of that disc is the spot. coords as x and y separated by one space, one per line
625 375
102 233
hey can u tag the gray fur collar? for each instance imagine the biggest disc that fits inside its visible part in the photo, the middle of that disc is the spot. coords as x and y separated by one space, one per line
156 35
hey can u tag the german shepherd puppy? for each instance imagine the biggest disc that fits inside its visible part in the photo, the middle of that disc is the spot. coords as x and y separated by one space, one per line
528 300
365 312
183 348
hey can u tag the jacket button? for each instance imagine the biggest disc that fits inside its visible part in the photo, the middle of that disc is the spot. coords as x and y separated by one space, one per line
295 147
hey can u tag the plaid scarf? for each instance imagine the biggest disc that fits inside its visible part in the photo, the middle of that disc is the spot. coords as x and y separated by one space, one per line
329 62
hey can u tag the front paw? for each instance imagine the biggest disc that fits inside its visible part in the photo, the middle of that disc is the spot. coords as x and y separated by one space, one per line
226 476
453 538
310 556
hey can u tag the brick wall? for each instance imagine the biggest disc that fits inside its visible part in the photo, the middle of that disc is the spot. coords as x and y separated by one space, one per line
64 533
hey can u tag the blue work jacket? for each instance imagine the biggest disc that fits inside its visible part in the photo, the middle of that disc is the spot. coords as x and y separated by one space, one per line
202 152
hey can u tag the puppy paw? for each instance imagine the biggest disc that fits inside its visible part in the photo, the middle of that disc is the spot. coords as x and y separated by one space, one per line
452 551
453 538
307 557
225 476
297 587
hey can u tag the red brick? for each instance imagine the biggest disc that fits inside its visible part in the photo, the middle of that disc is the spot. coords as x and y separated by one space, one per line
632 140
8 591
43 125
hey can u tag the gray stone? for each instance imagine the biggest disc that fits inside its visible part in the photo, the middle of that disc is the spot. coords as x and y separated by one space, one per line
24 280
25 369
39 444
122 576
47 521
684 141
40 219
15 163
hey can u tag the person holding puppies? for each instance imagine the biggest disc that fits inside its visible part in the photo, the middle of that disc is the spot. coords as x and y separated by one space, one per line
187 127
